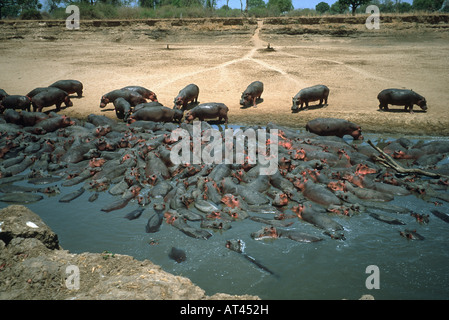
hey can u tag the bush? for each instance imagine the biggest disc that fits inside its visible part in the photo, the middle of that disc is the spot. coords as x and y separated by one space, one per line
302 13
31 14
427 5
322 7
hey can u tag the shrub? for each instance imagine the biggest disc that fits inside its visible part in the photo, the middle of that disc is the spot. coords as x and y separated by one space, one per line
31 14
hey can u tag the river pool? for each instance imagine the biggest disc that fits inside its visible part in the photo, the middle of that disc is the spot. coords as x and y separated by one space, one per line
329 269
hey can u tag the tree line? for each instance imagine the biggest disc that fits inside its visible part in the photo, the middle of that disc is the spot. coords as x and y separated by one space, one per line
131 9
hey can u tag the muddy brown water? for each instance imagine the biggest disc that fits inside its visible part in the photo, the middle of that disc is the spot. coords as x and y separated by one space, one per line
329 269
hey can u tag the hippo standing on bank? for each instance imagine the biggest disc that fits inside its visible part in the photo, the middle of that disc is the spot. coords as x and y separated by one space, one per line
15 102
334 127
144 92
122 108
69 86
132 97
188 94
210 110
401 97
52 96
251 94
319 92
3 94
157 114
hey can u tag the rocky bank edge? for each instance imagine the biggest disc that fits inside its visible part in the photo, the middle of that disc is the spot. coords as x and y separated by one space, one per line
33 266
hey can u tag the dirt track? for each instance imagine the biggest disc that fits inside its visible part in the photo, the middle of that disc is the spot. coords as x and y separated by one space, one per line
223 58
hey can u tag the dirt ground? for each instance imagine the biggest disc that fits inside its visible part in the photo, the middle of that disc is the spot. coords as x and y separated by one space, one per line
355 63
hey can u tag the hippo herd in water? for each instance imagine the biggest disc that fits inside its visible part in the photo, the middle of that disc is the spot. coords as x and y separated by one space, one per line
320 175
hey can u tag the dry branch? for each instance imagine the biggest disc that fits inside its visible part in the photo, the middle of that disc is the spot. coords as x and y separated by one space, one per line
388 161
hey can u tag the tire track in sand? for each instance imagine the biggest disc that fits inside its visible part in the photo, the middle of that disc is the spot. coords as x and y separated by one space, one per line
257 45
352 68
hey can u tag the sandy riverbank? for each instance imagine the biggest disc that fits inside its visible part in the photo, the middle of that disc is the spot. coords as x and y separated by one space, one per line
223 56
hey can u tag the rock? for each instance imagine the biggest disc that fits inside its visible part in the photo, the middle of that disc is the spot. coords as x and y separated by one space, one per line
33 266
17 221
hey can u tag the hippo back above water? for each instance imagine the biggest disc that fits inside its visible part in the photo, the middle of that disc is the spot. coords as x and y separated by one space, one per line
334 127
401 97
304 96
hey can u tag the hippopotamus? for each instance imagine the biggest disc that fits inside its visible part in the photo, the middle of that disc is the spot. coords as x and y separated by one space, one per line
306 95
72 195
334 127
188 94
122 108
69 86
177 254
147 104
144 92
15 102
317 193
154 222
3 94
134 214
443 216
411 235
132 97
272 232
52 96
208 111
157 114
52 124
401 97
35 91
12 116
312 215
385 218
188 230
251 94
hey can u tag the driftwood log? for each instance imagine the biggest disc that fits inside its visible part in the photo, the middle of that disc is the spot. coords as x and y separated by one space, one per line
389 162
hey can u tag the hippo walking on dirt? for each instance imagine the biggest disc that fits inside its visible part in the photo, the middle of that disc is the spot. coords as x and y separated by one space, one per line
49 97
69 86
251 94
319 92
15 102
3 94
132 97
210 110
144 92
188 94
401 97
122 109
334 127
158 114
